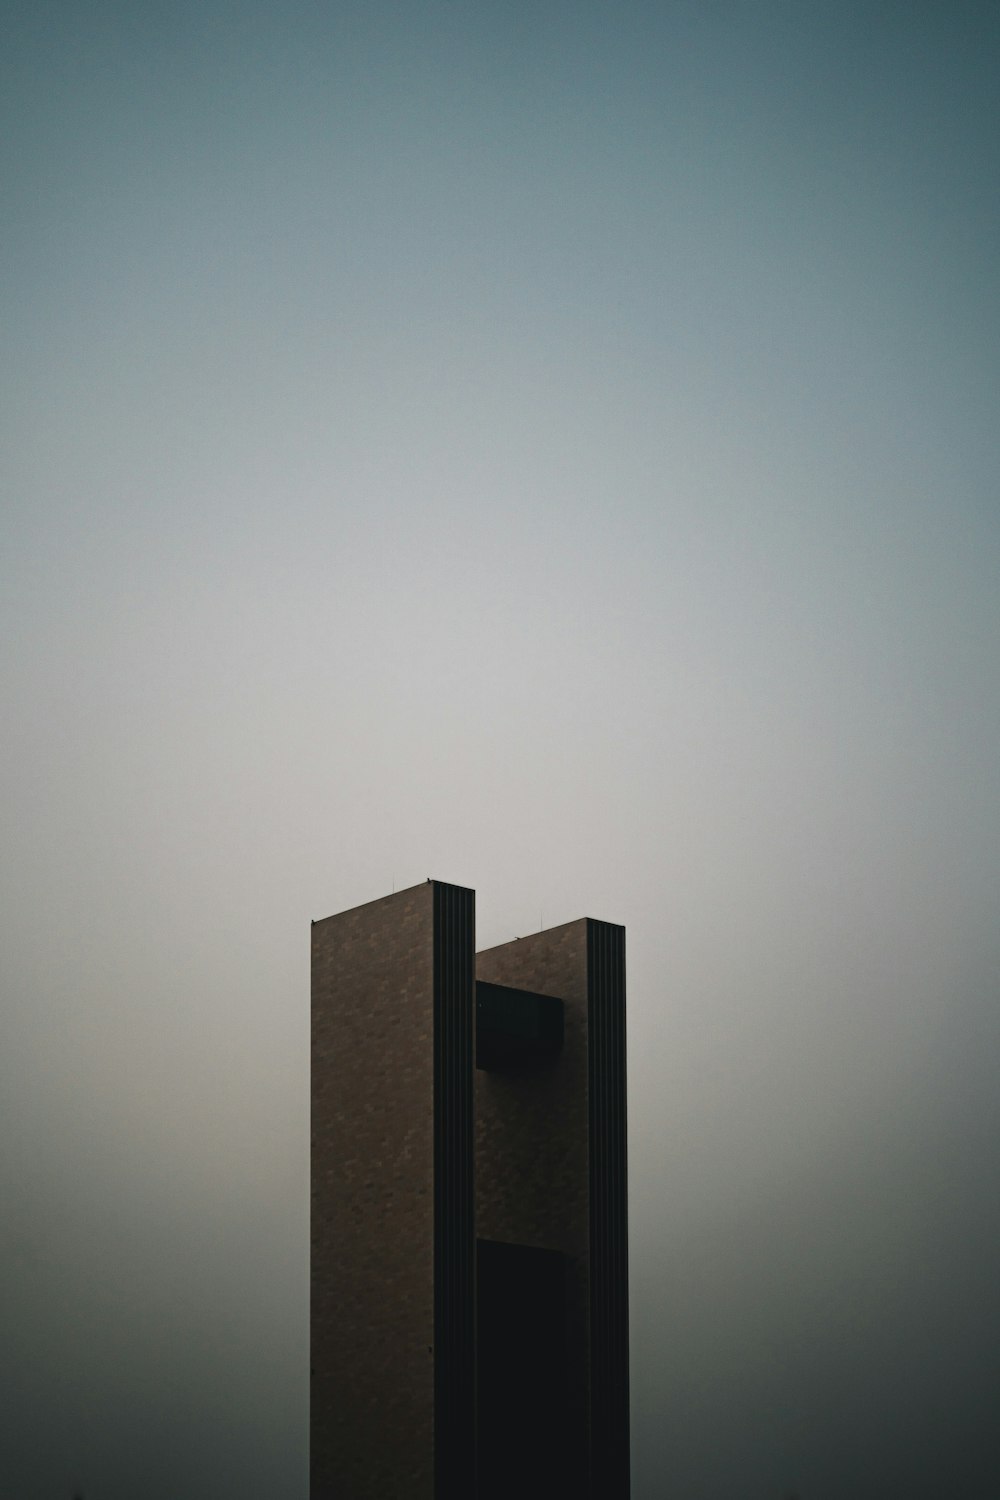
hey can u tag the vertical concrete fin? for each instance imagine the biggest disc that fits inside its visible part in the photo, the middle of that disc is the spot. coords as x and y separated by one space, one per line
609 1395
454 1195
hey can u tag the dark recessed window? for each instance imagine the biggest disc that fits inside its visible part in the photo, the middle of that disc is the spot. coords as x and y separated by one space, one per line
515 1028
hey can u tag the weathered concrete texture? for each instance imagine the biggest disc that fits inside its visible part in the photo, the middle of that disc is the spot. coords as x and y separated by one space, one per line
372 1318
531 1125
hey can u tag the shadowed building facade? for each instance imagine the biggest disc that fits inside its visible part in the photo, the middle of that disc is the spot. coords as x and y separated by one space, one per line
469 1272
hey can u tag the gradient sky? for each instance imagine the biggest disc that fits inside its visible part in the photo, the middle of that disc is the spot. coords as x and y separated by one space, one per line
549 447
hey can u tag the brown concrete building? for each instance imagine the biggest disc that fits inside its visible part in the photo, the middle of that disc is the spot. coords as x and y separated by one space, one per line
469 1270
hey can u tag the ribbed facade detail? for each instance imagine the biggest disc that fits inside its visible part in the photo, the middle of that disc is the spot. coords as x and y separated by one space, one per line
454 1197
609 1392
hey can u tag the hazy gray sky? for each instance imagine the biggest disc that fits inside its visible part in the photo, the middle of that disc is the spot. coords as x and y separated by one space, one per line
550 447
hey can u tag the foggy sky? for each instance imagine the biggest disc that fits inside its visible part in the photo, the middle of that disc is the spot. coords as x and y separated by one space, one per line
549 448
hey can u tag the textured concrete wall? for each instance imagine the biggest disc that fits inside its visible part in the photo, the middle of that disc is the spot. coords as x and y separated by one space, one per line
532 1160
372 1320
531 1125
